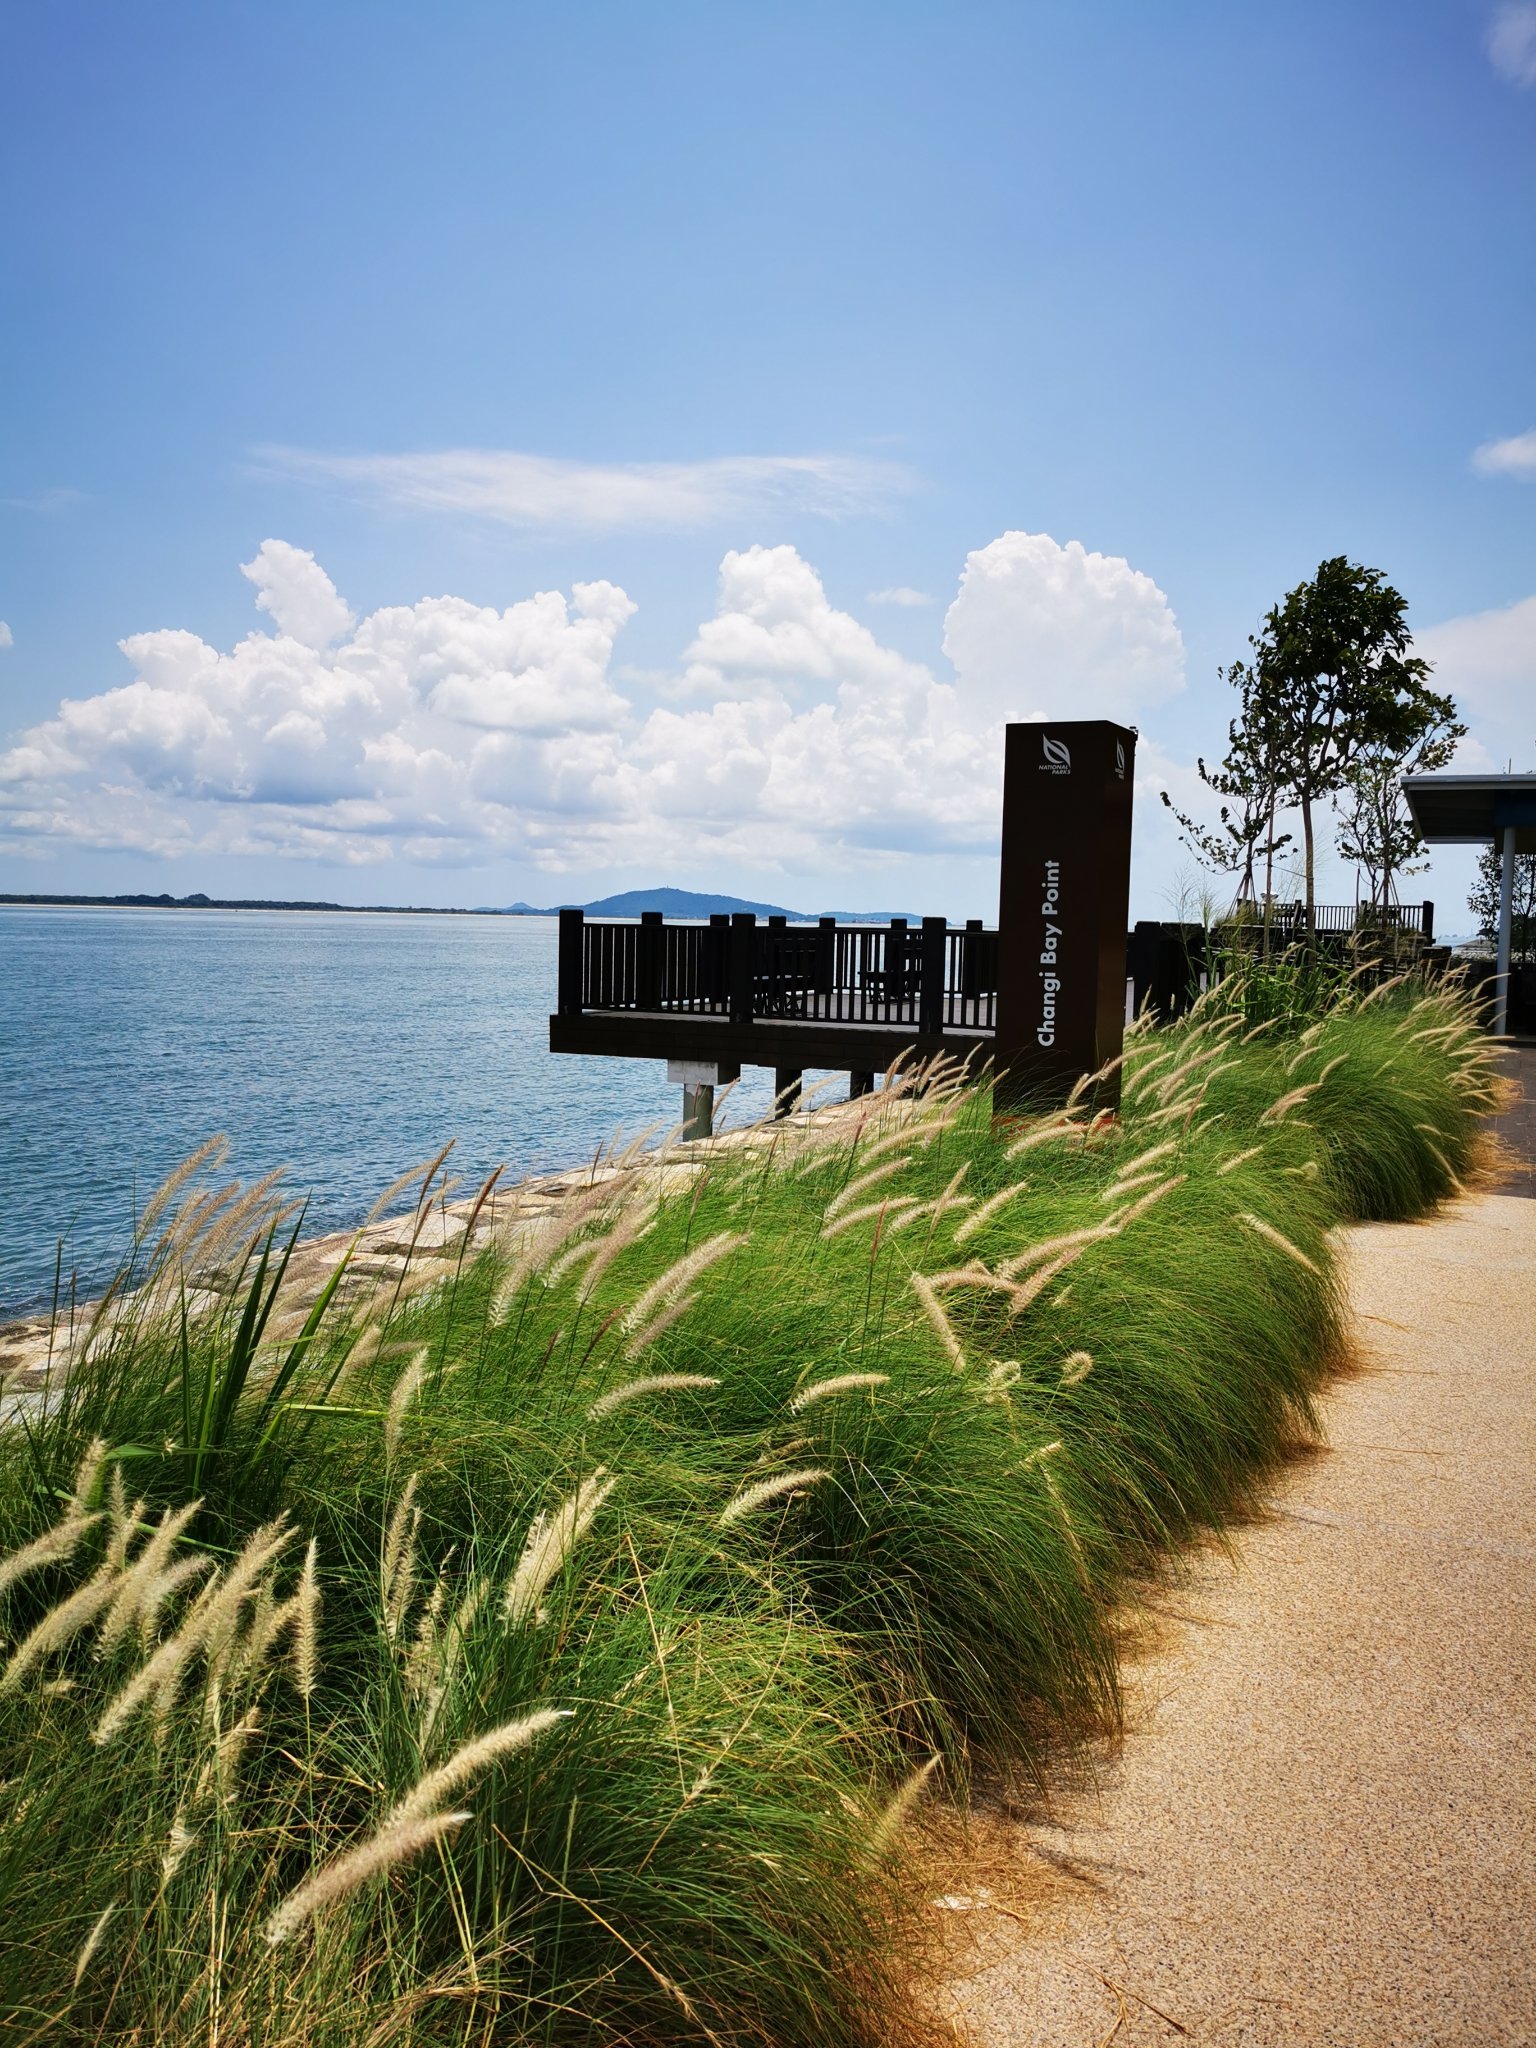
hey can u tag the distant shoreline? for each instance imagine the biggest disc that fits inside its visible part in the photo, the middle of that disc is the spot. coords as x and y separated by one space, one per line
246 903
681 903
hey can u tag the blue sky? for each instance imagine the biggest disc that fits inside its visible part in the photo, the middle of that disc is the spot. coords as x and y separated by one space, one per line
742 320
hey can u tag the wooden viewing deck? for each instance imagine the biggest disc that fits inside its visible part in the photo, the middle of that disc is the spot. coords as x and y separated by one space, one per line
734 992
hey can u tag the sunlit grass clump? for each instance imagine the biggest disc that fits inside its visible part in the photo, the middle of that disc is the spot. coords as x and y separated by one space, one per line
559 1645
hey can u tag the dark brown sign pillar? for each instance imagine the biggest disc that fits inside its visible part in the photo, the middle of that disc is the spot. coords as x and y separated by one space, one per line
1065 898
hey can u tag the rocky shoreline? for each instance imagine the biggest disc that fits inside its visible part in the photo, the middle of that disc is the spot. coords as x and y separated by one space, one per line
395 1254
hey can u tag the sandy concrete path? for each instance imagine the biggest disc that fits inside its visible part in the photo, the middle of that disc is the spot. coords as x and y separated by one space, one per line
1322 1827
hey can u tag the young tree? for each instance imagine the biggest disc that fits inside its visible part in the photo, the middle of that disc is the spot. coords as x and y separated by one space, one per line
1484 900
1377 832
1335 681
1247 778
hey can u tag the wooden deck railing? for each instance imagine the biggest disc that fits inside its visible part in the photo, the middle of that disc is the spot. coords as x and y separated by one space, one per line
928 977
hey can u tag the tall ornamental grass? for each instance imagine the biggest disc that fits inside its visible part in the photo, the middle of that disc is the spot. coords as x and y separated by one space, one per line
560 1645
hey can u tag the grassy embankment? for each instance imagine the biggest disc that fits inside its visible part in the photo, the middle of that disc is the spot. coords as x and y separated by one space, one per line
559 1655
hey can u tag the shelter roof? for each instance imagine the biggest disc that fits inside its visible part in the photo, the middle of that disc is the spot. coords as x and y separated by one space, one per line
1472 808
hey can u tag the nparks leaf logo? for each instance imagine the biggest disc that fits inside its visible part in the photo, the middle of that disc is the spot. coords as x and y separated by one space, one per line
1120 759
1058 757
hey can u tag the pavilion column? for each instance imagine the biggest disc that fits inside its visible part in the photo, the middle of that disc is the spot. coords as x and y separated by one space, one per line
1506 924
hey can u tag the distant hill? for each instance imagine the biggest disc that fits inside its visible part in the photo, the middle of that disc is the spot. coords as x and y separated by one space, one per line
694 903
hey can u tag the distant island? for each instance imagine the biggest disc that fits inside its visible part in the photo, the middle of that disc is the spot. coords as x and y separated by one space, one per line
670 902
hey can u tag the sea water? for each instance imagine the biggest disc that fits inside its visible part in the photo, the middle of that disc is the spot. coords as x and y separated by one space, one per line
342 1047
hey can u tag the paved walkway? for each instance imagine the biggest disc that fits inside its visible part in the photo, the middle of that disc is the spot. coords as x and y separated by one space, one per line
1321 1828
1517 1126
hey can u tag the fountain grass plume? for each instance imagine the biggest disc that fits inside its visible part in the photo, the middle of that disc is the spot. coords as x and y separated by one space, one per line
472 1759
657 1383
763 1492
551 1539
394 1843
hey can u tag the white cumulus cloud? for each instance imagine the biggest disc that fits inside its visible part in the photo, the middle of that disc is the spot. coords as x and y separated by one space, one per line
293 589
6 637
1515 456
901 594
1512 41
448 731
551 494
1487 662
1053 631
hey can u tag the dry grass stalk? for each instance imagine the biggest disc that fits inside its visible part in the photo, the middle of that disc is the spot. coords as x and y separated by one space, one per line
943 1329
551 1539
1028 1290
843 1383
212 1152
973 1275
758 1495
54 1546
394 1844
1375 995
402 1394
659 1325
988 1209
244 1579
542 1242
216 1779
159 1677
1149 1200
1081 1086
901 1134
895 1205
657 1383
1144 1159
92 1942
1046 1134
1282 1105
397 1559
147 1570
1118 1190
940 1206
1277 1238
637 1221
850 1192
61 1624
86 1476
1240 1159
1049 1247
306 1628
888 1823
680 1276
474 1757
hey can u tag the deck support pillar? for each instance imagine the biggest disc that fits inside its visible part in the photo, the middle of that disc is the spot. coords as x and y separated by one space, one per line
698 1109
860 1082
699 1079
786 1090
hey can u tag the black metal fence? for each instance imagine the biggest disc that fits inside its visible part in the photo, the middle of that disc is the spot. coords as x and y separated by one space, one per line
926 977
929 977
1169 964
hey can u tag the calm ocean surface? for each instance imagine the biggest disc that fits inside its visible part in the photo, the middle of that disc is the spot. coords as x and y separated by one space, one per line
345 1048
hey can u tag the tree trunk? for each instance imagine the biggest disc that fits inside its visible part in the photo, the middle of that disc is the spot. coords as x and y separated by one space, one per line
1306 833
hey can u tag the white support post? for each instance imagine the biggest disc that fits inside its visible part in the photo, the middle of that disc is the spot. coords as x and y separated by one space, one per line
699 1079
1506 922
